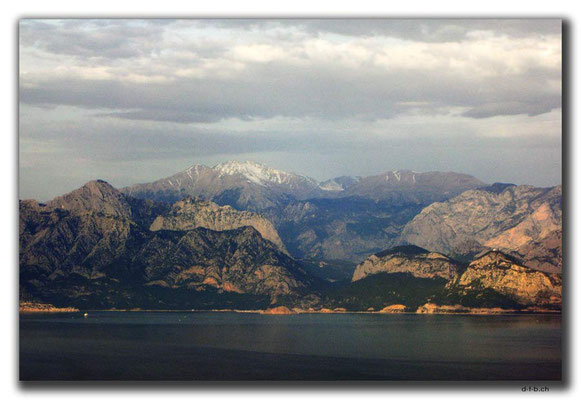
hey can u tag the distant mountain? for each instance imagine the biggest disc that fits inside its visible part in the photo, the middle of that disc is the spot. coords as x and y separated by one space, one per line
256 187
339 184
243 185
93 248
523 220
348 228
345 218
405 187
94 197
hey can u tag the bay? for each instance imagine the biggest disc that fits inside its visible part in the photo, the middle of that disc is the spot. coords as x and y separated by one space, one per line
248 346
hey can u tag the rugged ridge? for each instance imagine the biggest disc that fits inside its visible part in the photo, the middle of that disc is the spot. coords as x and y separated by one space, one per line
431 282
345 218
85 250
97 248
513 218
506 275
191 213
408 259
95 196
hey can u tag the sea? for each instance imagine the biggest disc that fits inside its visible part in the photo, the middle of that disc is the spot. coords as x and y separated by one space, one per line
234 346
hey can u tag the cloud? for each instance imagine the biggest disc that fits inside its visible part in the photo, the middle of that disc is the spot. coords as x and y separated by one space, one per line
111 39
166 72
105 91
419 30
57 157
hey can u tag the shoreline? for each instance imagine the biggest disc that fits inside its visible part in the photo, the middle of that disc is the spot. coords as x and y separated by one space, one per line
56 310
26 307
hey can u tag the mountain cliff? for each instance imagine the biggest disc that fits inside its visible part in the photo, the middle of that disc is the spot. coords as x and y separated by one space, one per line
191 213
523 220
414 260
345 218
98 248
412 278
85 249
506 275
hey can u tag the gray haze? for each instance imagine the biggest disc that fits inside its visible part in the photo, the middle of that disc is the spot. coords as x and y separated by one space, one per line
132 101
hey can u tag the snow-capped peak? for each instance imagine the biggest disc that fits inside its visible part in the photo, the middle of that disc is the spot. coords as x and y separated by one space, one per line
257 173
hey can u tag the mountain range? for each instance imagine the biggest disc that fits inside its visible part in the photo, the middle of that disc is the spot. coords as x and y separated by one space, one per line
242 235
522 220
345 218
257 187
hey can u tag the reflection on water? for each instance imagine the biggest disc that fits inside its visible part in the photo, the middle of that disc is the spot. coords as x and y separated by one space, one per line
373 346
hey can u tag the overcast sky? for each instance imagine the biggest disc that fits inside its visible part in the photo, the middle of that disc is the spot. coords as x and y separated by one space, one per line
132 101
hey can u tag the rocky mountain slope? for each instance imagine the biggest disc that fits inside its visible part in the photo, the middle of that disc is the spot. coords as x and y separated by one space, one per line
340 228
414 260
345 218
85 249
98 248
506 275
522 220
191 213
238 260
412 278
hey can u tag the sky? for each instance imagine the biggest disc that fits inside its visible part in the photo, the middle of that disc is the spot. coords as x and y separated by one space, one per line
132 101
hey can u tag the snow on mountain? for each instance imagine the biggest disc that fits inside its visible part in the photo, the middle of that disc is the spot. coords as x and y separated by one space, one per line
253 186
261 174
331 186
339 184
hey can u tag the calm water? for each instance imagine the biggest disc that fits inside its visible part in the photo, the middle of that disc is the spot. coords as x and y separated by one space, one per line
232 346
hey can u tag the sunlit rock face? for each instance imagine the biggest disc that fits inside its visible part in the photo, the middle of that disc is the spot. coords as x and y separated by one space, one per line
521 220
93 248
506 275
192 213
408 259
344 218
